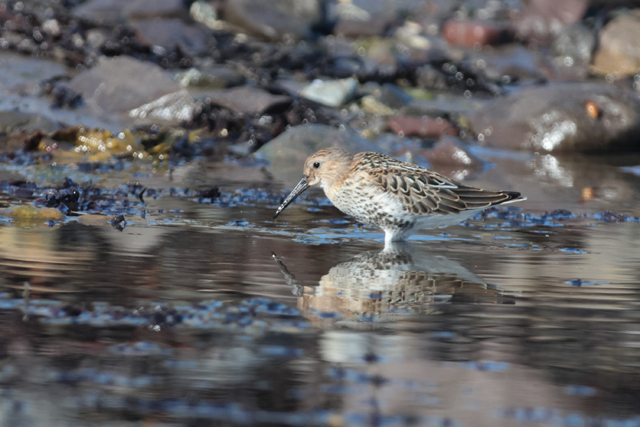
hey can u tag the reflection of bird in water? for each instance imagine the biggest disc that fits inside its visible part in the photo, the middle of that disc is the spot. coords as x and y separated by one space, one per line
387 284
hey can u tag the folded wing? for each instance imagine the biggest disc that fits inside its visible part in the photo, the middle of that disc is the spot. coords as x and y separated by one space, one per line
423 192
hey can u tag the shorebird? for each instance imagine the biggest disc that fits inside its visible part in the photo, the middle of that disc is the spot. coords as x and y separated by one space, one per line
398 197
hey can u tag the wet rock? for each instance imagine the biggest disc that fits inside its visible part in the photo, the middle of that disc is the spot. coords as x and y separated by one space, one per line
29 214
377 7
211 193
370 104
14 121
509 64
67 197
450 151
204 13
617 52
145 9
421 127
173 107
607 193
114 85
354 21
379 61
303 111
96 38
421 47
290 86
332 93
52 27
541 20
20 73
20 142
103 143
431 77
573 50
355 29
23 83
476 33
65 97
211 77
402 148
585 117
255 129
248 100
575 42
61 94
19 189
119 222
32 141
442 105
102 11
286 153
393 96
446 75
169 33
350 11
434 16
276 19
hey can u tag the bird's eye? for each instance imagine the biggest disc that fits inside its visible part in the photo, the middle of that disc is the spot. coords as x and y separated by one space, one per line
316 165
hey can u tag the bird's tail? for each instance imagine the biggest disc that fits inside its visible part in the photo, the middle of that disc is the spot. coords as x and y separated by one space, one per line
514 197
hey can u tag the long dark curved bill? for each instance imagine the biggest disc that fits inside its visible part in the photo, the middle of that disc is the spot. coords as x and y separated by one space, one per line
299 189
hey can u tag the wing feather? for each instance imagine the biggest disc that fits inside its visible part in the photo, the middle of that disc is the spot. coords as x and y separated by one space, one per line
420 191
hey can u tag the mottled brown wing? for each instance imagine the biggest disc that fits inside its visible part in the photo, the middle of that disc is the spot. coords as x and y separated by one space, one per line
423 192
377 163
477 198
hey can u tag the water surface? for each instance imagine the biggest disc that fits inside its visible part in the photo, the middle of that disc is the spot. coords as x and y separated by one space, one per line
201 313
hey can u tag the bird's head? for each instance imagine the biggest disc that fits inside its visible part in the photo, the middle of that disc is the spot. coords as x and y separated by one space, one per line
324 169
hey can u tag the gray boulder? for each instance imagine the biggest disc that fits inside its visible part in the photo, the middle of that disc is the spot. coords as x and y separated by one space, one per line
588 117
140 89
286 153
274 19
170 33
15 121
102 11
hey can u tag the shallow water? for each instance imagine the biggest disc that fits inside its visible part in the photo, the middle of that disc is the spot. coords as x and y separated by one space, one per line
200 313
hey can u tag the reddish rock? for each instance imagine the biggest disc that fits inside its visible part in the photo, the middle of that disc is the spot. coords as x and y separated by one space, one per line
473 33
423 127
449 151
